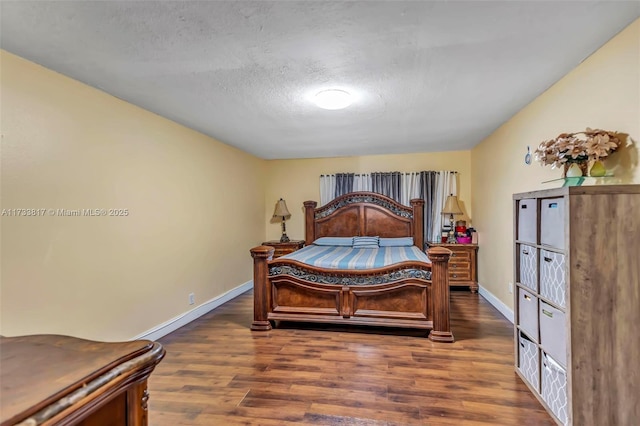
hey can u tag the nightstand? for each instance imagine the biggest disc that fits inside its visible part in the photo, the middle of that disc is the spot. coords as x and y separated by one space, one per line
463 265
284 248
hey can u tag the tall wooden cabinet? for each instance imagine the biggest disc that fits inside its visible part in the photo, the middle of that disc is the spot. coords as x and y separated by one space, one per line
577 301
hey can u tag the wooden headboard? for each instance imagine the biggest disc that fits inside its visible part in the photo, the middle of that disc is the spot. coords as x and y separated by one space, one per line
364 214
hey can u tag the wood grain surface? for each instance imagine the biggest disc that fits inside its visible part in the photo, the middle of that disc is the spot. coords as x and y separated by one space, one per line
217 371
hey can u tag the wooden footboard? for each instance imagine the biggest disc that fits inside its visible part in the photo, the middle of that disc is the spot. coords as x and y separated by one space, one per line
409 294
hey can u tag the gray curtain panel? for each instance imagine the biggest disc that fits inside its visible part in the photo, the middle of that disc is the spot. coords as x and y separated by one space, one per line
389 184
344 183
428 193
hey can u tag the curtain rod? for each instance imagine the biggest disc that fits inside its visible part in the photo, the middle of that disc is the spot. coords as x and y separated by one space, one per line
362 174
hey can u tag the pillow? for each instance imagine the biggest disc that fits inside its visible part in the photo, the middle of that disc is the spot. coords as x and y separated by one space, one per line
365 242
334 241
396 242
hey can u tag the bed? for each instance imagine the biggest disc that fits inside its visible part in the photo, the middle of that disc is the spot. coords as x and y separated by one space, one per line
411 293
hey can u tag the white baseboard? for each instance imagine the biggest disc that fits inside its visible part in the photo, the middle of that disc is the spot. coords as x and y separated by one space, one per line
175 323
497 303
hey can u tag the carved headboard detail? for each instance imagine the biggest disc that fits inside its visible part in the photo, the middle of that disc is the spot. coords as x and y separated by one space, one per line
364 214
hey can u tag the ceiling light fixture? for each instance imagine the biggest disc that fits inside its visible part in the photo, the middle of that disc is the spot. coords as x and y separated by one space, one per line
333 99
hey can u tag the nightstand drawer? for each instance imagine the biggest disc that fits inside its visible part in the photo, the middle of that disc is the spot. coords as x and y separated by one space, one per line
280 249
462 275
460 256
459 266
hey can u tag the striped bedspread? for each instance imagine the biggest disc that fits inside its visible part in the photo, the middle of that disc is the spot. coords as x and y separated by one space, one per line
336 257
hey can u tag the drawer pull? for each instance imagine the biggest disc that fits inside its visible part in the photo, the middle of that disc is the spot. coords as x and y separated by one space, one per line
523 206
525 252
547 259
553 205
527 297
455 276
454 266
547 313
453 255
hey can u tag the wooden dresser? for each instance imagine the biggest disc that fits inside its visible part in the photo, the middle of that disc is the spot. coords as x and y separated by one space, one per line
463 265
61 380
284 248
577 299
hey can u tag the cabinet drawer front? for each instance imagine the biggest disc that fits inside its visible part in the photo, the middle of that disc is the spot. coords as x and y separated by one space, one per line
285 250
553 332
529 361
282 251
552 277
528 313
527 220
552 222
462 275
554 387
460 256
529 267
460 266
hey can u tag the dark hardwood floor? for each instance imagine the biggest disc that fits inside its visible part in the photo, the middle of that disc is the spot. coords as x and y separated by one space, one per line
218 372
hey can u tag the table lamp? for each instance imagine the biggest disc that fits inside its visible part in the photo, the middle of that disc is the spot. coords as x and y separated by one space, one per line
282 211
451 207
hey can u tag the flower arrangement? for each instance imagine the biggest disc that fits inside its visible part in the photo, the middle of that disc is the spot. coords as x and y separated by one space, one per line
578 147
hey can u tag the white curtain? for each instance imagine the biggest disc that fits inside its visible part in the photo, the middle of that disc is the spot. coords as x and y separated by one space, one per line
410 188
362 182
327 188
446 184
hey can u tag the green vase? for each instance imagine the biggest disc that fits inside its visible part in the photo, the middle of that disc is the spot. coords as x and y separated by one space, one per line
573 170
597 169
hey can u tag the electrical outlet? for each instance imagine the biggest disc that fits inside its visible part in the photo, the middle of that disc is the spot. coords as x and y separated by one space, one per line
192 298
511 287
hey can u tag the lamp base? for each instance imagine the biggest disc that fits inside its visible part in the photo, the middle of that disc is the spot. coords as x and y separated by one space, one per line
452 232
284 238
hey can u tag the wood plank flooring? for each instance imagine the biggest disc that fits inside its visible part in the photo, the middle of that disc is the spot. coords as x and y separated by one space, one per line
218 372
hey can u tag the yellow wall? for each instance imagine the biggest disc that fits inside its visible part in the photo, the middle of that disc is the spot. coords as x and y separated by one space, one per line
602 92
66 145
299 180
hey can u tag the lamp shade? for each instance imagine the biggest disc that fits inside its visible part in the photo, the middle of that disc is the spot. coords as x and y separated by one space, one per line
281 210
451 206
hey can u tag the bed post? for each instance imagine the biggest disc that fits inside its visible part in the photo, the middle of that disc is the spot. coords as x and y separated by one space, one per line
261 287
418 222
310 223
439 257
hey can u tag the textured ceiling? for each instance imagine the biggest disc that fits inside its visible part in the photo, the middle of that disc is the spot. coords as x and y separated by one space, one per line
427 76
